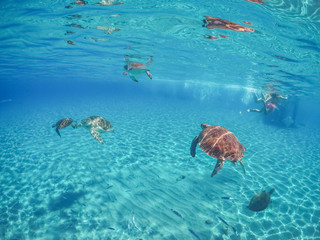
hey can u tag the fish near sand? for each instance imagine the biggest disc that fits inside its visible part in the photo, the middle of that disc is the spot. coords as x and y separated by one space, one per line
234 230
194 234
176 213
228 198
222 220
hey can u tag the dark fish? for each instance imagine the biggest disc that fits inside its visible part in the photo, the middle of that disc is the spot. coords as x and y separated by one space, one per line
235 231
70 42
176 213
74 25
111 228
229 198
194 234
223 221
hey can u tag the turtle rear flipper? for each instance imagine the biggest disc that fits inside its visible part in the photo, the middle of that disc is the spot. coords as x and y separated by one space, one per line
57 130
193 146
241 163
96 135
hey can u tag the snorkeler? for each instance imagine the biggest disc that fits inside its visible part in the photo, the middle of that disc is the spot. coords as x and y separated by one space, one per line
270 102
256 1
79 2
136 68
107 2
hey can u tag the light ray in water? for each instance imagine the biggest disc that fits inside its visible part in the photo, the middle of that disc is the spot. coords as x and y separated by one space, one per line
133 222
6 100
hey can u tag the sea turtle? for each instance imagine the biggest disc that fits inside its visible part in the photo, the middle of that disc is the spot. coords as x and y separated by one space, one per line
95 124
220 143
63 123
260 201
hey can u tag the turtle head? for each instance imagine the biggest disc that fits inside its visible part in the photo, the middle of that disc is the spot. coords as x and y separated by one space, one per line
76 125
204 125
109 128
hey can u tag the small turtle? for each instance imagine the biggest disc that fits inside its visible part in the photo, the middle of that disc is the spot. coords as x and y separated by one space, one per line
95 124
260 201
63 123
220 143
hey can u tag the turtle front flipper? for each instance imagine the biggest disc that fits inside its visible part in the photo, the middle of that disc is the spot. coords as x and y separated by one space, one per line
96 135
271 191
193 146
57 130
241 163
218 166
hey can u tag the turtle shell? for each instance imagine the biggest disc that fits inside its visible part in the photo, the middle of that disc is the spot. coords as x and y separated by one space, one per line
63 123
259 202
220 143
98 123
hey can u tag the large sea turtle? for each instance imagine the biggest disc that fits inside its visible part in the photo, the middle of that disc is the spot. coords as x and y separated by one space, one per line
260 201
96 125
220 143
63 123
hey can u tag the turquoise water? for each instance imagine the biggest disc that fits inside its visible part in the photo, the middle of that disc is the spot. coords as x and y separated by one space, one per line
142 183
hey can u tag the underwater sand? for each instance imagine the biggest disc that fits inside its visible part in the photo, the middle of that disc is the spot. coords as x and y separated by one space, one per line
76 188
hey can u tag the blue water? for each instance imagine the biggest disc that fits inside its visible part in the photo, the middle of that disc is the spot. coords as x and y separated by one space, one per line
68 62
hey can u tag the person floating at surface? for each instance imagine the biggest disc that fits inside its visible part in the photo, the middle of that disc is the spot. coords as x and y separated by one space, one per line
270 102
215 22
256 1
136 68
79 2
107 2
